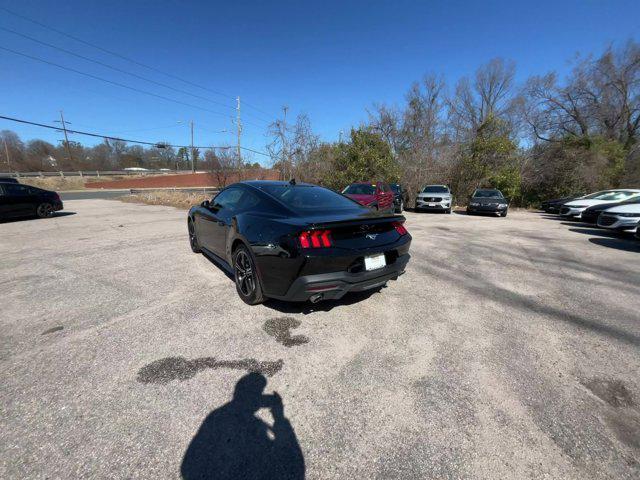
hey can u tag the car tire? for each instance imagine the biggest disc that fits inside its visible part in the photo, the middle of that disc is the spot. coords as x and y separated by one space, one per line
193 237
504 214
44 210
246 277
449 210
400 207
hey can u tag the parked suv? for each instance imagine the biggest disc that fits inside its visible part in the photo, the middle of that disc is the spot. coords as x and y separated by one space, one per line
376 195
401 196
436 198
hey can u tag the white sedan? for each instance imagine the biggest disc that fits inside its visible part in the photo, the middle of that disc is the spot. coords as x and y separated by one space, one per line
576 207
622 217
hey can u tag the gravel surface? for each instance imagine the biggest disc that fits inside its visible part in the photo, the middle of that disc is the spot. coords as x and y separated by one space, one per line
509 349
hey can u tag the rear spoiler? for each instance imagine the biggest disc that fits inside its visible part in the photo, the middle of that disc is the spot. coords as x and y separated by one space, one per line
365 221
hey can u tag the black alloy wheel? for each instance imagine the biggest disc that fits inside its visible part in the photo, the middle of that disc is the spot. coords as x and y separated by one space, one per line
193 238
44 210
247 282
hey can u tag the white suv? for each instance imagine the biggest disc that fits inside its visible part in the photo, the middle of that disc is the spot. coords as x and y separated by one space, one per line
435 198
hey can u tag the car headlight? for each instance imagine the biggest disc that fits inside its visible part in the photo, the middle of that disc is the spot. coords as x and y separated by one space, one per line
627 214
502 205
474 204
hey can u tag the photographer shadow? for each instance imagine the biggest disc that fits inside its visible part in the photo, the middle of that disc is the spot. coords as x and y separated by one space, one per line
232 443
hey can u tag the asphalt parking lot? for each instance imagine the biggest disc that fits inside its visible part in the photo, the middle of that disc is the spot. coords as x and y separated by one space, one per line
509 349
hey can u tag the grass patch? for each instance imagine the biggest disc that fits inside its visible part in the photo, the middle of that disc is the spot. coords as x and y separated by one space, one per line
181 200
61 184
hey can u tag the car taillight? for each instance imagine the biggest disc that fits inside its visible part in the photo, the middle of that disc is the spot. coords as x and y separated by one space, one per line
315 239
400 228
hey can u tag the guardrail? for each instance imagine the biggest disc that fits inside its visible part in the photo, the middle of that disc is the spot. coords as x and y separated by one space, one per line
95 173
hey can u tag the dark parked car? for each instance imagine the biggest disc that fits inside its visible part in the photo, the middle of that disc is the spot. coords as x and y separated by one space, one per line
377 195
638 232
591 214
8 180
488 201
298 242
554 205
17 200
400 196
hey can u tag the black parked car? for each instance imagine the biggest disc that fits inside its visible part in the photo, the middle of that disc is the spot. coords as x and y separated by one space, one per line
8 180
17 200
298 242
554 205
400 197
488 201
591 214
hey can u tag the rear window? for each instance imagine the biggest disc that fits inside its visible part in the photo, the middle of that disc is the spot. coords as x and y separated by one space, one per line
360 189
308 197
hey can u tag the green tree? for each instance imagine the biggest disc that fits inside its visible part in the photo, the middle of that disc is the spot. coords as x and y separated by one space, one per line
365 157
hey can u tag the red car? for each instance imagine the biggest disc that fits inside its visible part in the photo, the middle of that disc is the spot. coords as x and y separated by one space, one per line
377 195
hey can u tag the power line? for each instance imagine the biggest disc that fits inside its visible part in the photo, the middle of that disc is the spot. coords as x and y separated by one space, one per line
97 62
128 59
122 85
118 139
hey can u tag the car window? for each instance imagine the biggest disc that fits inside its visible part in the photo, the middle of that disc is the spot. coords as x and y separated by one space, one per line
309 197
228 199
360 189
16 189
487 194
616 195
435 189
248 201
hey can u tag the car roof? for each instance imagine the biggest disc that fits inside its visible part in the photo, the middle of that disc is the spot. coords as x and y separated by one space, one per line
263 183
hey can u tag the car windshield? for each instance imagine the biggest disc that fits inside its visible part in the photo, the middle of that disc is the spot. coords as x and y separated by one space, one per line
309 197
594 195
618 195
435 189
360 189
395 187
487 194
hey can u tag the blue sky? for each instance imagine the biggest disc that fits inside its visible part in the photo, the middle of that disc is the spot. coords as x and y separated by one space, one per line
329 59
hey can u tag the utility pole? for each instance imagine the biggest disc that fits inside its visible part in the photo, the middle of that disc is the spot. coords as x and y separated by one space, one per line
6 151
66 138
193 165
285 156
239 125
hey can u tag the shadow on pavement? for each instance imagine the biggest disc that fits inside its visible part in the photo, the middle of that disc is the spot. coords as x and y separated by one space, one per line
233 443
597 232
322 306
617 243
22 219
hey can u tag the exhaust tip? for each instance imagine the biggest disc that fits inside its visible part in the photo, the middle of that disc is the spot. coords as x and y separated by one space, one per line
315 298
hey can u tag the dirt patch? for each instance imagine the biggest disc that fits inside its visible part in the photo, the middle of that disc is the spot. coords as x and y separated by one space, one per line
614 392
280 329
179 368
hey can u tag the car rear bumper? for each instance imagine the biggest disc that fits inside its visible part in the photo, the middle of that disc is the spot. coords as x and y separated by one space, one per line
334 285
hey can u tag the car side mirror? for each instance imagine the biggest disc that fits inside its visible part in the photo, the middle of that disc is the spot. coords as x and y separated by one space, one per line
205 204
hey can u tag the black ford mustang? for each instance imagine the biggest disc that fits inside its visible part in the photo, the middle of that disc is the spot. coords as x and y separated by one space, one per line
298 242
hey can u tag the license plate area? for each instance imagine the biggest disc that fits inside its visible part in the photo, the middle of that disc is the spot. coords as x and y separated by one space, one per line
431 204
374 262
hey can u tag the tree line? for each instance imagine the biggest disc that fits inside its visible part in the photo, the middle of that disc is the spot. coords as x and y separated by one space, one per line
544 137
